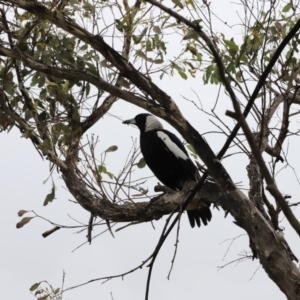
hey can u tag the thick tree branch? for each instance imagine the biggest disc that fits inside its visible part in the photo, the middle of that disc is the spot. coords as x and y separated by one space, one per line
140 211
256 187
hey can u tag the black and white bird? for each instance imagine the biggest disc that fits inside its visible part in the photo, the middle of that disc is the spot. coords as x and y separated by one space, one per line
168 159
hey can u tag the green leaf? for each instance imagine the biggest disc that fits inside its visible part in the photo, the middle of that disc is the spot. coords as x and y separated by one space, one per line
51 83
231 45
190 35
24 221
8 87
76 115
192 49
34 286
157 29
43 94
192 151
28 132
190 65
239 76
52 107
42 117
45 146
231 68
259 95
178 3
214 79
182 74
42 80
9 76
34 80
207 75
191 2
35 105
105 63
111 149
191 148
124 83
119 25
38 292
50 197
199 57
141 164
110 175
287 7
170 25
22 212
139 53
102 169
137 38
176 67
28 115
158 61
244 59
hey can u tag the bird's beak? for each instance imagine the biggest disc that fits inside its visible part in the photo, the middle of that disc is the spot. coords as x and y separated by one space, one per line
131 121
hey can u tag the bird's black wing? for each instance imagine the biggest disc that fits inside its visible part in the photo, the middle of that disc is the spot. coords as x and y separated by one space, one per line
175 140
202 214
186 164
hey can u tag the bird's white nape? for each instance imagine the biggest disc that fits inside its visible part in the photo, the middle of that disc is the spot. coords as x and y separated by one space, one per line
172 146
152 123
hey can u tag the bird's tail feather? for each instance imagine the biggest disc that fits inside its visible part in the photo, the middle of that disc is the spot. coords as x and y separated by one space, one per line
202 214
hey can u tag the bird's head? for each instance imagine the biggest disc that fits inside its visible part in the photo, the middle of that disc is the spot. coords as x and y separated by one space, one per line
145 122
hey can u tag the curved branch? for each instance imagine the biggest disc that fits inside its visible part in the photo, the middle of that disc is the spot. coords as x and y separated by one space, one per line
161 205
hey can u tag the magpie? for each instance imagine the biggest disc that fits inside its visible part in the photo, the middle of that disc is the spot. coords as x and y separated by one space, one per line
168 159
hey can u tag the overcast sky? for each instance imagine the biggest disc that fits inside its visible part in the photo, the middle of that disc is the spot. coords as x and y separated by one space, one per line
26 257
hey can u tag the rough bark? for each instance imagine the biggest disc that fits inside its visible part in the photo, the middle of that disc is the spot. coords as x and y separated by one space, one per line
163 204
